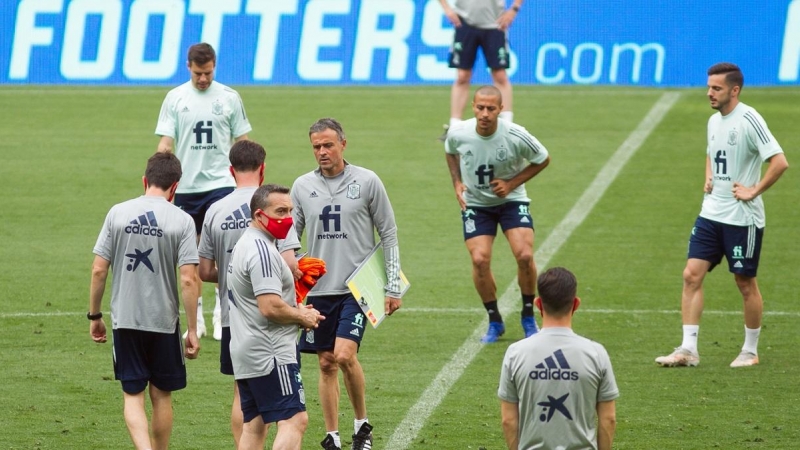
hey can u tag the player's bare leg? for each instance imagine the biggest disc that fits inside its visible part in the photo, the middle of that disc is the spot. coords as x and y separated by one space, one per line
136 420
753 302
501 81
237 417
290 432
329 389
480 251
161 422
254 434
346 354
459 93
521 242
692 296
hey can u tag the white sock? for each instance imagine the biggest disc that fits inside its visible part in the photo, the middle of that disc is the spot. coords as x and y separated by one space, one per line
751 340
454 121
200 318
217 307
357 424
336 439
690 337
507 115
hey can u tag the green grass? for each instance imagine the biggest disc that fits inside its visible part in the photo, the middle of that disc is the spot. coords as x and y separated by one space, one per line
69 154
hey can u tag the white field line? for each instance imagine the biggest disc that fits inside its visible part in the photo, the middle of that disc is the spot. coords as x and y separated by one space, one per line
416 417
458 311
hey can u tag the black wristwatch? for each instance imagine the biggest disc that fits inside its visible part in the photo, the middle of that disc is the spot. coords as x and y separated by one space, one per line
97 316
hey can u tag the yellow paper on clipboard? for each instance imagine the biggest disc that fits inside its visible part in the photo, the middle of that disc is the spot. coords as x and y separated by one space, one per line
367 285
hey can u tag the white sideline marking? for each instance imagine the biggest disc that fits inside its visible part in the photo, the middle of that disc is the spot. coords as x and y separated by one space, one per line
416 417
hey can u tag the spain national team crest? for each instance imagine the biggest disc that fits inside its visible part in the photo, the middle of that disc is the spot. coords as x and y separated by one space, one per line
353 191
501 154
216 108
733 137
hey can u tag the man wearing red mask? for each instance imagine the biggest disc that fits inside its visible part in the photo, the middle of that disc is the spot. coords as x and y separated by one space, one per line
224 223
264 320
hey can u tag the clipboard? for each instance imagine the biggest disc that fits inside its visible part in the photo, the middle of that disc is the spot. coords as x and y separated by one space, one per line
367 283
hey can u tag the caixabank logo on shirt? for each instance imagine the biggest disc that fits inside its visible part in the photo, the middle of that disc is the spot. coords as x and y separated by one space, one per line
146 225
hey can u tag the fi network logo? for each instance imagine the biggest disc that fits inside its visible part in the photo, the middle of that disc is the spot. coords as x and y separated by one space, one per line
146 225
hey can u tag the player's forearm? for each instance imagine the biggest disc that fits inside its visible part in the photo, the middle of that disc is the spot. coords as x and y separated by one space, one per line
165 144
208 271
96 289
190 291
527 173
453 165
777 165
509 414
606 424
276 310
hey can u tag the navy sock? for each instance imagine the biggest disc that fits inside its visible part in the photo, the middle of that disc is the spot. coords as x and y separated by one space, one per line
527 305
494 313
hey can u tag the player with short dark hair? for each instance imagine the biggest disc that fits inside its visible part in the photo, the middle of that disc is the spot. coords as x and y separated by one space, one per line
142 242
557 389
341 206
732 219
199 121
490 160
264 320
225 222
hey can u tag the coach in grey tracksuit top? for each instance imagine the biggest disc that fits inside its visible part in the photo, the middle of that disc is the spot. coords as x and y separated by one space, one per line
340 215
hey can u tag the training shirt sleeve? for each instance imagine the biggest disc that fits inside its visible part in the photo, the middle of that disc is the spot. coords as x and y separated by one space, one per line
383 218
240 125
298 217
187 251
759 137
104 247
166 119
508 390
206 247
264 267
527 145
608 389
292 241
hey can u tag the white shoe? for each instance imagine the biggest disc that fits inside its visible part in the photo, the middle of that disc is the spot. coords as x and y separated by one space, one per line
745 359
680 357
217 321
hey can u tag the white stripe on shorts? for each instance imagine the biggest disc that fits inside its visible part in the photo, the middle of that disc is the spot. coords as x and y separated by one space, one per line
751 241
286 381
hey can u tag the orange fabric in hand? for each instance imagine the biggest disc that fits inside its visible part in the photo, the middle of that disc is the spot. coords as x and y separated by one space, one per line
313 269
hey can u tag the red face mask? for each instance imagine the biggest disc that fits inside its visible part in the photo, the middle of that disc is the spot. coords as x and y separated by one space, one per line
278 227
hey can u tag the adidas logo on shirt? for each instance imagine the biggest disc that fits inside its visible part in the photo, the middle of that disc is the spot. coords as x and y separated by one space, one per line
146 225
238 219
185 109
313 194
554 367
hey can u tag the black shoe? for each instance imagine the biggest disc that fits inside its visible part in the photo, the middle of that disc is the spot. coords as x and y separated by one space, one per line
363 439
329 444
443 137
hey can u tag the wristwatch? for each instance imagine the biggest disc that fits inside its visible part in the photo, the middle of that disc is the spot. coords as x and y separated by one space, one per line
97 316
515 8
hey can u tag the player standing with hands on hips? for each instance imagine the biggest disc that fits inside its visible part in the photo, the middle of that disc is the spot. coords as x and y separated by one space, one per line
342 205
490 159
732 219
199 121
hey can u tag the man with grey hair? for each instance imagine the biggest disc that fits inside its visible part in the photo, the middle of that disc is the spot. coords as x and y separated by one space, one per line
342 205
557 389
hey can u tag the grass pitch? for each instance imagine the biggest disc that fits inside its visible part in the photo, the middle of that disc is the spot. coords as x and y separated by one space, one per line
69 154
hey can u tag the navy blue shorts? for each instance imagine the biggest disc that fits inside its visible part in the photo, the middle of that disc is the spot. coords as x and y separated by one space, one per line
711 240
483 221
144 356
196 205
343 318
225 362
493 42
275 397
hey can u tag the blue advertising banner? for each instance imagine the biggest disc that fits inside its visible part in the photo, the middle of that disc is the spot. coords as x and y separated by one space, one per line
378 42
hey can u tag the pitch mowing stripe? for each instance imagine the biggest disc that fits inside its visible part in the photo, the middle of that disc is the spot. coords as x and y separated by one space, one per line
416 417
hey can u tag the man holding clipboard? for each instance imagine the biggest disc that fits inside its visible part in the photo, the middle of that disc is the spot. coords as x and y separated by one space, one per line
341 206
